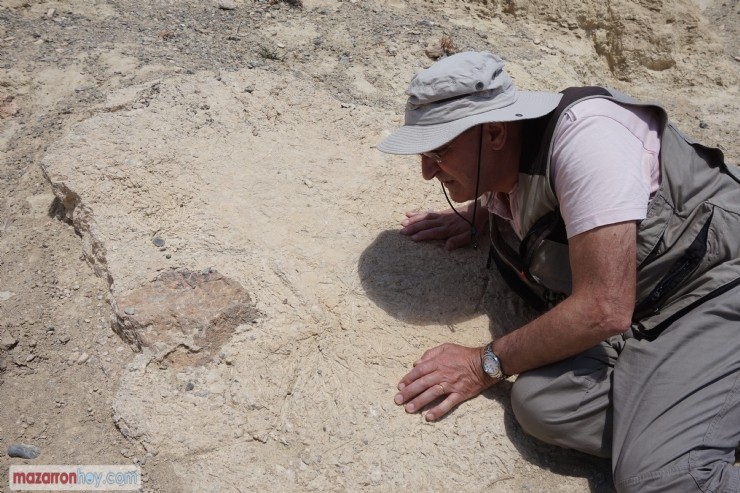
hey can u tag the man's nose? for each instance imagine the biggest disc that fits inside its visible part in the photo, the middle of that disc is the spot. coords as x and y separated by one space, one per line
428 167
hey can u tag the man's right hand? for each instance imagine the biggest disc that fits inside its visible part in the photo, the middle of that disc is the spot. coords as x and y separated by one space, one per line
444 225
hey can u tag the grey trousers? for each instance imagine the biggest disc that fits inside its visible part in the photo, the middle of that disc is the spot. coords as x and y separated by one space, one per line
666 411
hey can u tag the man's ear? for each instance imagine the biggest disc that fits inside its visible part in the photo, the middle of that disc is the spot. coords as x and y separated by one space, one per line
496 135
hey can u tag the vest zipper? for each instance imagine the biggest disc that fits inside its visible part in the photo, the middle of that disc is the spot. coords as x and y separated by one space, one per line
653 333
677 273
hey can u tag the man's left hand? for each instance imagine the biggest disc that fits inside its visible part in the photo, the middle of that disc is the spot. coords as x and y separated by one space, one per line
450 371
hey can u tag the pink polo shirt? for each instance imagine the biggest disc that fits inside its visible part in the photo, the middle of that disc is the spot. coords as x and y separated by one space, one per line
604 167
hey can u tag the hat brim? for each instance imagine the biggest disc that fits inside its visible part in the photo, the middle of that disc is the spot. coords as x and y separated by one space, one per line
414 139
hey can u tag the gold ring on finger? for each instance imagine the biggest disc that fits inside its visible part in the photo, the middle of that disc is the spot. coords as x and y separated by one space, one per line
442 387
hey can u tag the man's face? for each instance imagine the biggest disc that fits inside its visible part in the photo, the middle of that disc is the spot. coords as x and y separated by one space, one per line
457 165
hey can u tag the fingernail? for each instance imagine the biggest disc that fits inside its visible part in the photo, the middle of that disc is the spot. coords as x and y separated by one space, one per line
401 386
405 222
398 399
410 408
430 417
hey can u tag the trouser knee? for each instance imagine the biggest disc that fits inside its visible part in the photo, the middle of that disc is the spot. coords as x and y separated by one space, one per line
563 411
530 413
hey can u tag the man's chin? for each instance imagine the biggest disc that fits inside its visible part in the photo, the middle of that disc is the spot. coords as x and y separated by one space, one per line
457 195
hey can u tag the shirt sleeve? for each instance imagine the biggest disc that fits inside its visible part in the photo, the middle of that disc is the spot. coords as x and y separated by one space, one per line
597 171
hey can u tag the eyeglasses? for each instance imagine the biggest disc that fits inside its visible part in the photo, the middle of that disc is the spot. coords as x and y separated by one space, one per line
433 156
436 155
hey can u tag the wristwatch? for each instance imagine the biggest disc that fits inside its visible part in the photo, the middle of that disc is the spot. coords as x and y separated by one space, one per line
491 364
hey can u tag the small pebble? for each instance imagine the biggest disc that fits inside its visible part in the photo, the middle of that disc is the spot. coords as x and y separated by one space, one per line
703 125
83 358
189 386
50 13
226 4
158 242
8 341
434 52
24 451
30 358
129 310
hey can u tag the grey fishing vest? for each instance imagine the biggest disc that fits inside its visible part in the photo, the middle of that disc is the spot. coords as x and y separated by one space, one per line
688 246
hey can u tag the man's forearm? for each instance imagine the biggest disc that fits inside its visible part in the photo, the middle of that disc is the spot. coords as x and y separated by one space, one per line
571 327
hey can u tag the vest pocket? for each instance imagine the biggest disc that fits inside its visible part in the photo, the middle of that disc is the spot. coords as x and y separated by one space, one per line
520 269
678 272
650 244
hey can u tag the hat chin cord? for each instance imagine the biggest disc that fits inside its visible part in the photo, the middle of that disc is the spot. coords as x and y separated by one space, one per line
473 229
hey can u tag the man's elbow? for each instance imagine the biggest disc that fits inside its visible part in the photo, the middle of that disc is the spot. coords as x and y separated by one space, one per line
611 317
616 326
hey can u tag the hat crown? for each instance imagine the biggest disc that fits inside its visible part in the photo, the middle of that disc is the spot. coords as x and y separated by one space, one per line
459 75
457 93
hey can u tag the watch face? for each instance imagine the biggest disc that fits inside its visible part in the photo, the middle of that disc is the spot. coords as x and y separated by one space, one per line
490 365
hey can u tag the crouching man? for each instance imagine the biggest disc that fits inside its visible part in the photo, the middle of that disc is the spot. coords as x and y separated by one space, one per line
629 242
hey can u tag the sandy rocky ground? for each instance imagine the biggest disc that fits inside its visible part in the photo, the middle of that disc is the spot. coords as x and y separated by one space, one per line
200 271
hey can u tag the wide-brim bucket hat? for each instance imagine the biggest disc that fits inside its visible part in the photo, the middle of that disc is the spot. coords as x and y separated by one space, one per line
460 92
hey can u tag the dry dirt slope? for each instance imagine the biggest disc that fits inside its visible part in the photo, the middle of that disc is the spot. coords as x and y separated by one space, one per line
226 133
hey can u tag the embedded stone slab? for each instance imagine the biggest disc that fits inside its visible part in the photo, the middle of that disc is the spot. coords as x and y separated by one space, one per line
191 313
